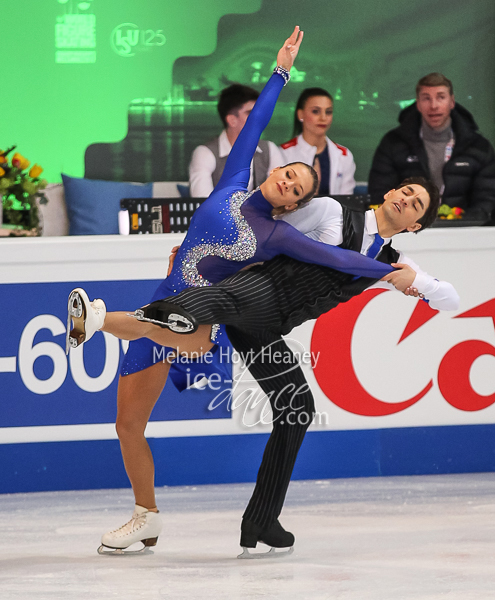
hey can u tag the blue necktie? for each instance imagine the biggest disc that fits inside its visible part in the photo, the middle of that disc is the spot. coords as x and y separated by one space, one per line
374 249
375 246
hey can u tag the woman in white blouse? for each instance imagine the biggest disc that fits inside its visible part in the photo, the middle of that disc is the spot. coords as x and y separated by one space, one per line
334 163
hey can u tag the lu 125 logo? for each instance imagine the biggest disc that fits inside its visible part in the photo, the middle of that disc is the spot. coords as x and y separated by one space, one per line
127 39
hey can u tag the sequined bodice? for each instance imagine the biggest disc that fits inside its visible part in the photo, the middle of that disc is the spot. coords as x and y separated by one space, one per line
237 250
226 234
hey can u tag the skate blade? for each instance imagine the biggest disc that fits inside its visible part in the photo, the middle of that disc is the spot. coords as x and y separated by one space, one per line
176 323
272 553
75 315
106 551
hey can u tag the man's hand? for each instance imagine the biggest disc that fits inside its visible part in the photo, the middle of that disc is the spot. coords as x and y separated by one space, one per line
403 278
171 259
287 54
412 291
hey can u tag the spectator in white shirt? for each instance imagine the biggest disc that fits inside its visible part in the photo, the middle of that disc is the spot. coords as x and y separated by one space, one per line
334 163
208 160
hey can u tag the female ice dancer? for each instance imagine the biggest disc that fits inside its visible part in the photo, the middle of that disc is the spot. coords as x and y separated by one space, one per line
231 230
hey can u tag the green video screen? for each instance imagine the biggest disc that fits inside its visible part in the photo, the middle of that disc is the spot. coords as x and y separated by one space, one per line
137 83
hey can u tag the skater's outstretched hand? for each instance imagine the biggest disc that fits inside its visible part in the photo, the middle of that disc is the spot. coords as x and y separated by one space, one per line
287 54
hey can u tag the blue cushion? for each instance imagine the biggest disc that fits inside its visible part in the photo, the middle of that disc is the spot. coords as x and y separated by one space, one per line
93 206
361 189
183 190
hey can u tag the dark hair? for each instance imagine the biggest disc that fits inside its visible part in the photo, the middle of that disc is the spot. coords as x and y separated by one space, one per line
232 98
314 188
301 102
431 189
434 80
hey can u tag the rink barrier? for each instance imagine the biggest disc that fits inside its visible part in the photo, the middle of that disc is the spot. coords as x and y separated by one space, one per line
422 401
37 467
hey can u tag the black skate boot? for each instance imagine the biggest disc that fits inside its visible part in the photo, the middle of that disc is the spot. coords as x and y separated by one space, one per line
167 315
274 536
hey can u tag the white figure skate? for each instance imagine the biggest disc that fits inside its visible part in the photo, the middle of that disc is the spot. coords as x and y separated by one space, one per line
85 316
144 527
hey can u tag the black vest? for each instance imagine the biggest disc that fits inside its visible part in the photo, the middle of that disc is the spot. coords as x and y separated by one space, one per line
305 291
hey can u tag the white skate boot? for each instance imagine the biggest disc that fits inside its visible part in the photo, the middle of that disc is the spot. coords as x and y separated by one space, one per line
87 317
145 527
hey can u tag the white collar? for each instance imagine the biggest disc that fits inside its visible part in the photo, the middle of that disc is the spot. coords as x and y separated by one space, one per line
307 145
224 146
371 226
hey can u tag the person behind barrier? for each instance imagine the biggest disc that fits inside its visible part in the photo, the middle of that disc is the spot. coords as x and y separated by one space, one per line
438 138
208 161
334 163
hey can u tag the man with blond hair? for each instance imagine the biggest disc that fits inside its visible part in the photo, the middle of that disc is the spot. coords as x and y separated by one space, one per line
438 139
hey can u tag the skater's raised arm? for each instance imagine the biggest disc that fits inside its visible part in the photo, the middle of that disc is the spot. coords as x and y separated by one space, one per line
237 167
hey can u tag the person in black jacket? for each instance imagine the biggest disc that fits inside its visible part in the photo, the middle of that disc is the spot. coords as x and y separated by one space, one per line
438 139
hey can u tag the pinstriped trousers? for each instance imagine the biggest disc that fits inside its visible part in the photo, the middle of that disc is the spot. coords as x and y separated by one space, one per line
247 304
274 299
246 300
292 412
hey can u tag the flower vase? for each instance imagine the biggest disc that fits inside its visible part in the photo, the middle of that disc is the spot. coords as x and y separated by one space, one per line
22 217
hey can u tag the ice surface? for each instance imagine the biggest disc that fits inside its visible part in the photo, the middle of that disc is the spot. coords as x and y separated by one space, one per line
366 539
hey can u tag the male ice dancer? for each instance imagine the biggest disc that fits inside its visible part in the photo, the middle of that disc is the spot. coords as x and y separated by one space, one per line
267 301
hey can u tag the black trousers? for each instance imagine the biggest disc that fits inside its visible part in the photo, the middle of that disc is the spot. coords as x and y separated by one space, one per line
276 296
246 302
292 404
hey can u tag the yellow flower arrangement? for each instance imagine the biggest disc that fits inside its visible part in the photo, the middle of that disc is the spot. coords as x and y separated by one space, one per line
19 189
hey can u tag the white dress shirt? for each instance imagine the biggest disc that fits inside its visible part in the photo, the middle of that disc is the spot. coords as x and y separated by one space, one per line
203 163
322 220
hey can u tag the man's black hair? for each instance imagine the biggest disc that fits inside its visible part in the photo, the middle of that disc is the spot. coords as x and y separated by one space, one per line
232 98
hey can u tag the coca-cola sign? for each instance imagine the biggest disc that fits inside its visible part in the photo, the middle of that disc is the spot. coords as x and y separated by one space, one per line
335 370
